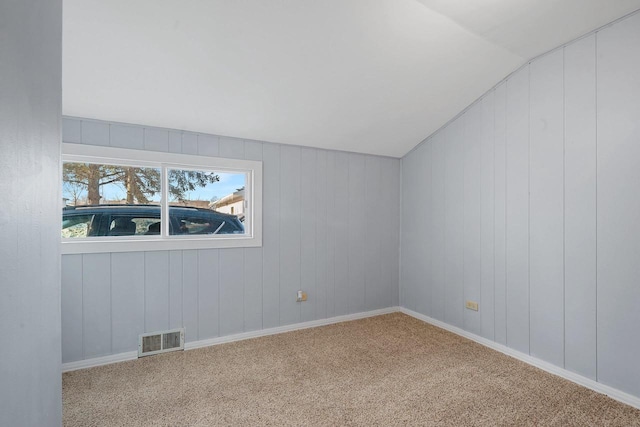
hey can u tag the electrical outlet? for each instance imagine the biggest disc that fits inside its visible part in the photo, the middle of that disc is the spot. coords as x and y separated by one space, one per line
302 296
472 305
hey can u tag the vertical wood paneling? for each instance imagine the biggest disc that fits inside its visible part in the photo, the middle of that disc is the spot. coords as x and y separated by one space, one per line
332 219
454 223
95 133
393 254
374 223
175 289
341 215
289 234
189 143
231 148
308 180
487 217
321 234
356 233
208 293
500 215
156 139
410 238
208 145
618 228
472 211
124 136
271 236
580 206
127 300
547 209
71 130
438 218
72 308
156 291
190 294
252 289
389 174
175 142
231 291
422 218
427 223
253 150
96 300
517 202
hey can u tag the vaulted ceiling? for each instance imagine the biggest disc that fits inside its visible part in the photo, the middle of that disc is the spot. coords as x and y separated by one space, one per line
371 76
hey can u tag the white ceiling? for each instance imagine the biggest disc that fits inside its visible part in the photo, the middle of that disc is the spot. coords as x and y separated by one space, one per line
357 75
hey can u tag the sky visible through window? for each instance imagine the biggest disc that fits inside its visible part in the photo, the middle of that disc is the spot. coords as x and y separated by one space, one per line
229 182
115 192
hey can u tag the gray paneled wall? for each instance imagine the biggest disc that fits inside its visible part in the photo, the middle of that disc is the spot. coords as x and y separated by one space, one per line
528 203
331 227
30 120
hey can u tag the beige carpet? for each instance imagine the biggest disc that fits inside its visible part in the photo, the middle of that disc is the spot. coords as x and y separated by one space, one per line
382 371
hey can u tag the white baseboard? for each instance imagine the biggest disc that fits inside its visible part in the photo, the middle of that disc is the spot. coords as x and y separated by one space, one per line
131 355
545 366
288 328
99 361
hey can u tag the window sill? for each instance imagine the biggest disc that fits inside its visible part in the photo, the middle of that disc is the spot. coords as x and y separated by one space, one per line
92 246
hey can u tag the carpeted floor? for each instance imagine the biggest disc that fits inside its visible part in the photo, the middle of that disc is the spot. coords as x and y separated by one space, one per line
381 371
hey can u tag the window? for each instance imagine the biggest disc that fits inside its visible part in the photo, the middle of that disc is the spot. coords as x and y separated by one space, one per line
118 200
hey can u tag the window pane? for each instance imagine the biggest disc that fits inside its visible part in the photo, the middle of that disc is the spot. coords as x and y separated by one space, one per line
76 225
129 225
99 184
206 202
109 200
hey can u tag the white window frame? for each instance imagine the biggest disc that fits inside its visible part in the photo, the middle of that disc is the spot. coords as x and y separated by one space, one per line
120 156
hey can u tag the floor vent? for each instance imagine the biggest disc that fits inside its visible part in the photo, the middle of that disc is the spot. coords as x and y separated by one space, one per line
160 342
